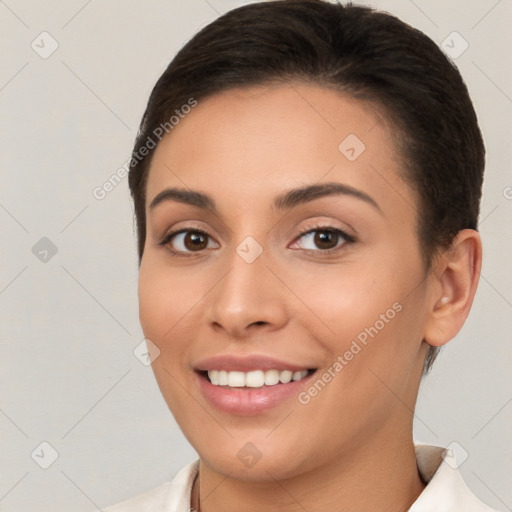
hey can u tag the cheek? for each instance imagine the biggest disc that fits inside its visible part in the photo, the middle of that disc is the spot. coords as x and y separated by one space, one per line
166 300
348 299
369 310
166 297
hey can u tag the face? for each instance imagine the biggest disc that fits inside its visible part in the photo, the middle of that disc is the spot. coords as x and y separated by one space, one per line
282 244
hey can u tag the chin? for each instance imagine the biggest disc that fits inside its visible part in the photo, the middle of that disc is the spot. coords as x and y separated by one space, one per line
266 466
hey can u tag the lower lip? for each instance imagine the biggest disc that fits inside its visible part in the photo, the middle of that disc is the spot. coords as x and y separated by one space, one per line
249 401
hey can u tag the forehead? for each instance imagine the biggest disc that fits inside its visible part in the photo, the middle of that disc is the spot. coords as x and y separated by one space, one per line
271 138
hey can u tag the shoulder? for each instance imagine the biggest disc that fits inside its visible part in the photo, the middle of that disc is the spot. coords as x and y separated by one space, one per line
154 499
446 490
173 495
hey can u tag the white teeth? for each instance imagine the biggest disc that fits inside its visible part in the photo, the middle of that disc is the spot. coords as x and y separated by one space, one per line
236 379
255 378
297 375
223 378
271 377
285 376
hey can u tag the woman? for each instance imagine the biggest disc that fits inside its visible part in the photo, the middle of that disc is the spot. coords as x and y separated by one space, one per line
306 183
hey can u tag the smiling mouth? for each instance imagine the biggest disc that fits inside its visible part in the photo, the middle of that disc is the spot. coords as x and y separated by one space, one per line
255 378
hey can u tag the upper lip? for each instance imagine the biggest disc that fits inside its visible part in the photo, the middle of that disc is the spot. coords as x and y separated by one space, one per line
230 362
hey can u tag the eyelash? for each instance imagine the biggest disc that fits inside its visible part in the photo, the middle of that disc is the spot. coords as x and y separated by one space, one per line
172 234
348 239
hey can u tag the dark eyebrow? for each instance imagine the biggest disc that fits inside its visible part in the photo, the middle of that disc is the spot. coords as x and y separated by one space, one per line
287 200
190 197
308 193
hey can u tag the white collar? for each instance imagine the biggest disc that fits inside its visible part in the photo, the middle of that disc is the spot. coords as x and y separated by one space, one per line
445 490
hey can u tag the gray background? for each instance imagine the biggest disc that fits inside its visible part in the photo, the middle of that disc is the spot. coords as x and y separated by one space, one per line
70 321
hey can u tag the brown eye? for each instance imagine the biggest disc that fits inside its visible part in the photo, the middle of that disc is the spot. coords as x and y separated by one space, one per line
326 239
195 241
189 240
323 240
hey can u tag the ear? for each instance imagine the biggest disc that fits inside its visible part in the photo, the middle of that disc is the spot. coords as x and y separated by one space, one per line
454 280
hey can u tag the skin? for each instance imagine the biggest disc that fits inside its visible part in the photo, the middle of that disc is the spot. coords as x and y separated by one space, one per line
350 448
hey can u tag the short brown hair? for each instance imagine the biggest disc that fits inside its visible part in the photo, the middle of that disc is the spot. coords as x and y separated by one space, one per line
372 56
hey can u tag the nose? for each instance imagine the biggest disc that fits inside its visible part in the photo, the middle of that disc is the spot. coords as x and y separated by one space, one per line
248 300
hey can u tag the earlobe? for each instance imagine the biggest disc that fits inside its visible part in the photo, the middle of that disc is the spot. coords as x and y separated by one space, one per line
454 283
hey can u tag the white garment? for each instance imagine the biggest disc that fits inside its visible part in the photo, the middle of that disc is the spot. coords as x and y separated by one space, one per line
445 490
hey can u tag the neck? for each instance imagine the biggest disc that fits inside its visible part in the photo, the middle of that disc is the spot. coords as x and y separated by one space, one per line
382 475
